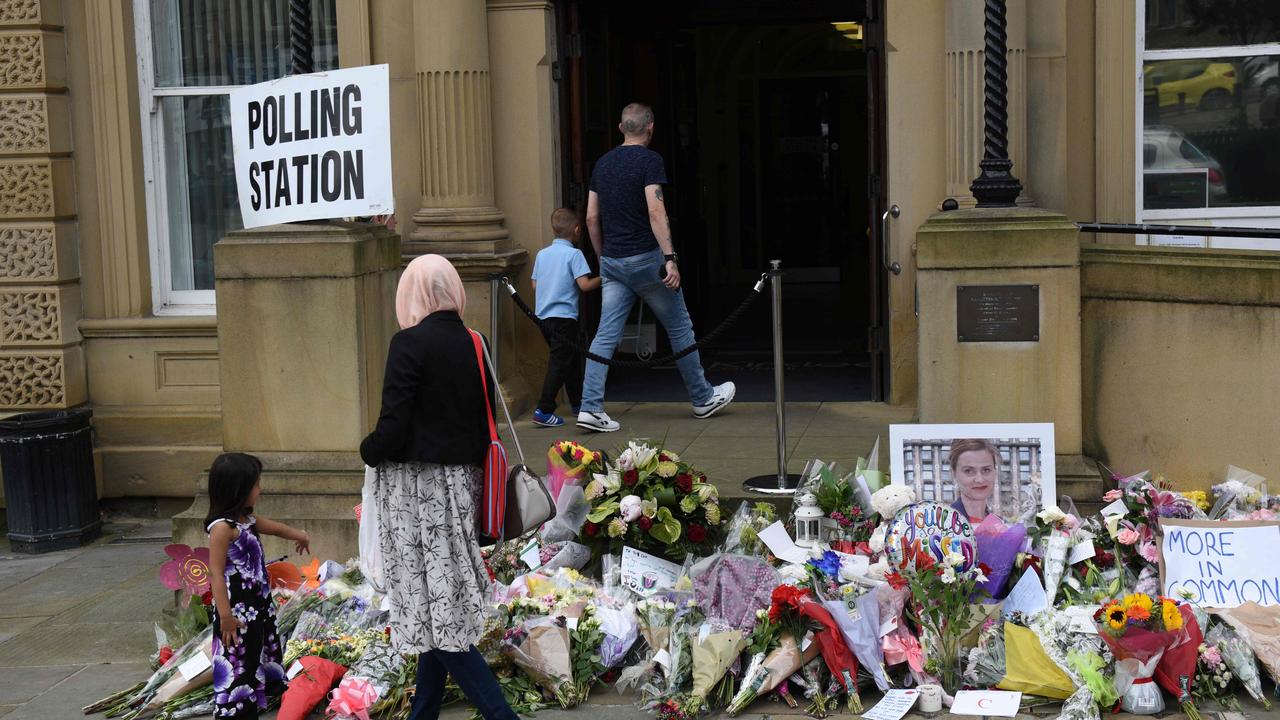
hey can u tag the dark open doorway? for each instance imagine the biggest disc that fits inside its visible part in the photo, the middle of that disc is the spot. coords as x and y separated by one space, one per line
766 118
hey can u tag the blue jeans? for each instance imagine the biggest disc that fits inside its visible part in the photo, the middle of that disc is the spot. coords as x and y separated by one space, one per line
623 280
470 672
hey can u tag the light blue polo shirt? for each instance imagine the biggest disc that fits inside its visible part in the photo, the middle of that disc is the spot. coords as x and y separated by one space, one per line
556 270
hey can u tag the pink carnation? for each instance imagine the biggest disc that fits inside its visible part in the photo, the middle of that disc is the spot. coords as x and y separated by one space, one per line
1127 537
1149 553
1212 656
1113 495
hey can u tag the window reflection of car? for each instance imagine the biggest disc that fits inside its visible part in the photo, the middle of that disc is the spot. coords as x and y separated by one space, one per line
1263 72
1165 149
1198 83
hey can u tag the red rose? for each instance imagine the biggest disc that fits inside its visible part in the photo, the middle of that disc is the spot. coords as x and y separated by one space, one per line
697 533
591 529
684 483
166 652
630 478
645 523
985 569
207 597
663 457
896 581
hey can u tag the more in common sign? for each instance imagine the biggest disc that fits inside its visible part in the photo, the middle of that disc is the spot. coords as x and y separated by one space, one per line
1221 564
313 146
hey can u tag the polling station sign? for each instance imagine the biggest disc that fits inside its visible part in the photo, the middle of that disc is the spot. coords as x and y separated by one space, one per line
1220 564
313 146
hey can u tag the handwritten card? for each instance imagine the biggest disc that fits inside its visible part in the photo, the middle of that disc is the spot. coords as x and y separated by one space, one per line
1027 596
781 545
1081 551
192 668
998 703
896 703
646 574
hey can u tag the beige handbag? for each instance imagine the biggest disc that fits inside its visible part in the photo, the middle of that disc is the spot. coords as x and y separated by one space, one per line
529 504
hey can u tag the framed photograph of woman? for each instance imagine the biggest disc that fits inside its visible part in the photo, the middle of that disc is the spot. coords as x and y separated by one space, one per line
979 469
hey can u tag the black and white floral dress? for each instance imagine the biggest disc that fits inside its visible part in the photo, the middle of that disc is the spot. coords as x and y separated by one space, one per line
434 573
243 673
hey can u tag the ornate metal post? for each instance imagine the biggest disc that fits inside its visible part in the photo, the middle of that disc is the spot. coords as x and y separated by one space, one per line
300 37
996 186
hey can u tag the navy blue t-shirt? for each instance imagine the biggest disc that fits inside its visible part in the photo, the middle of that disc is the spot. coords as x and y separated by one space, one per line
619 179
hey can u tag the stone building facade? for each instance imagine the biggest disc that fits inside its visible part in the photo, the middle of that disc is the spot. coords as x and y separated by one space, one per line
100 304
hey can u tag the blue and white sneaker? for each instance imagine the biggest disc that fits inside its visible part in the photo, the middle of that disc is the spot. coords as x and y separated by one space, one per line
542 419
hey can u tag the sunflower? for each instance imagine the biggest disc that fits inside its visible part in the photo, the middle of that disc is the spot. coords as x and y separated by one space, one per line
1171 615
1140 600
1115 617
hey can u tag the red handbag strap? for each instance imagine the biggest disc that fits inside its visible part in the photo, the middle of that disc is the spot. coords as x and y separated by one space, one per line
484 383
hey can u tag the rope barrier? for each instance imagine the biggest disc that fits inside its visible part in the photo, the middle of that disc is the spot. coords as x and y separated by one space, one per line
576 344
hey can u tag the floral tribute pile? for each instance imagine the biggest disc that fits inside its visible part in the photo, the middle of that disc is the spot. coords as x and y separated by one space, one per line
895 593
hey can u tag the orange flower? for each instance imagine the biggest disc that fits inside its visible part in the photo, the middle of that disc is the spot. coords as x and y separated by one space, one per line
1138 613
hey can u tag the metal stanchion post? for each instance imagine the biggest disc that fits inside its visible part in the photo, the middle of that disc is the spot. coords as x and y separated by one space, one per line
494 339
778 483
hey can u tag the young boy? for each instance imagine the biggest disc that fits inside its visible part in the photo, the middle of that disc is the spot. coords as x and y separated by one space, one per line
560 272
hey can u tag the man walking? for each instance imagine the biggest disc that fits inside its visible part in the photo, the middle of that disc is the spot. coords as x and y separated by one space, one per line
630 232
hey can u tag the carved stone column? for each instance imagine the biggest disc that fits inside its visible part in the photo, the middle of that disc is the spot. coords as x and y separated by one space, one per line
964 88
41 361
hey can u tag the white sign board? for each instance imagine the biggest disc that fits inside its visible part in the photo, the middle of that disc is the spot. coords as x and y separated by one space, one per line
646 574
1222 564
987 703
313 146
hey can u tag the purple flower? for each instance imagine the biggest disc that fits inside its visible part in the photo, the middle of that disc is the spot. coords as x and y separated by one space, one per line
245 555
241 693
222 673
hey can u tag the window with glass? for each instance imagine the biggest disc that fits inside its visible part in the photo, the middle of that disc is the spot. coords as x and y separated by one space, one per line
191 55
1210 113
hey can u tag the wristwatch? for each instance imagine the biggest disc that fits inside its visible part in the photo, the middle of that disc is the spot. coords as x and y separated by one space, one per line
672 258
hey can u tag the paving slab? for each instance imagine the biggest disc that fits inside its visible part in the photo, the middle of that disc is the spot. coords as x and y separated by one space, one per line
81 643
57 590
10 627
122 555
90 684
760 419
139 597
18 685
16 568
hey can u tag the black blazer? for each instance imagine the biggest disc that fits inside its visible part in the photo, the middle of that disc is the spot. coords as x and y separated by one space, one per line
433 408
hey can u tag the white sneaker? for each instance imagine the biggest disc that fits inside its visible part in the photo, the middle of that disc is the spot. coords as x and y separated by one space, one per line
597 421
721 396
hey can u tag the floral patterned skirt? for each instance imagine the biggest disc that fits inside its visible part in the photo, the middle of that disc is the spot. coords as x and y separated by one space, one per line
244 673
434 573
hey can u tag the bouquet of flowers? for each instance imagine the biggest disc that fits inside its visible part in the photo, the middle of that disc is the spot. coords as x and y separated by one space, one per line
811 679
858 616
743 533
1138 629
985 662
541 648
843 498
714 646
1239 659
650 500
998 546
940 606
569 463
1176 671
1145 501
835 653
1052 536
775 649
1084 658
688 619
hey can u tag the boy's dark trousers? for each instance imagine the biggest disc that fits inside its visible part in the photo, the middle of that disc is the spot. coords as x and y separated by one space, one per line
564 366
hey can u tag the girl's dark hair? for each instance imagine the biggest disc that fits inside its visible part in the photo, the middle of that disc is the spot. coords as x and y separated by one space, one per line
231 480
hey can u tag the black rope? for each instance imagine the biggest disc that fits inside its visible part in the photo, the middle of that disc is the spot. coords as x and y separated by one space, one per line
576 344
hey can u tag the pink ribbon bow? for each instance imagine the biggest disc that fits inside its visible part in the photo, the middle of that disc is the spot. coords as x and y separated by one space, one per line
903 646
352 698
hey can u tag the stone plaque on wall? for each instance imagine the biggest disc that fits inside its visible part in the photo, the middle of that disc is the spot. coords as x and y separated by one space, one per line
998 313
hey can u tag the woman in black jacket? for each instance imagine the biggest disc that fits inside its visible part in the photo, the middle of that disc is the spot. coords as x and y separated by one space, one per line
428 447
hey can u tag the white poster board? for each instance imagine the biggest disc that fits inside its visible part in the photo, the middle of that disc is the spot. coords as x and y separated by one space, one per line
313 146
1223 564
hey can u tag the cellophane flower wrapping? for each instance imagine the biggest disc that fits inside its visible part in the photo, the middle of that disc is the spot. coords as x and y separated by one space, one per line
858 617
621 629
1054 558
1239 658
564 554
742 535
985 663
568 464
714 647
1260 628
998 545
654 618
571 513
1141 695
733 588
688 619
1176 671
540 648
835 653
309 687
1085 658
777 665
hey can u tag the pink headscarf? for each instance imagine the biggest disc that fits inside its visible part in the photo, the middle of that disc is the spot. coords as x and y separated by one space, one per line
429 284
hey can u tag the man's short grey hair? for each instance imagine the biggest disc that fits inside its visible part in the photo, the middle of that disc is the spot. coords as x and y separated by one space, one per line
635 118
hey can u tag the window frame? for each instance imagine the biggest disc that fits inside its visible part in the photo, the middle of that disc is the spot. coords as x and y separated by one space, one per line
1247 215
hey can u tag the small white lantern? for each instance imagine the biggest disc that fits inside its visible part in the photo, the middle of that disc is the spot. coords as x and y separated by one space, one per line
808 521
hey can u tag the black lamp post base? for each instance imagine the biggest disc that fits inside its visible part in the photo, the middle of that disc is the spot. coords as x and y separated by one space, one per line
996 186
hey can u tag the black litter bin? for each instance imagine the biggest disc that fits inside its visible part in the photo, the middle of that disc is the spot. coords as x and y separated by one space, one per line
49 489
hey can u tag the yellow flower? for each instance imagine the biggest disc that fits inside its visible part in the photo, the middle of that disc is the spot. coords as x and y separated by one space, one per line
617 528
713 513
667 469
1199 497
1141 600
1172 617
1115 617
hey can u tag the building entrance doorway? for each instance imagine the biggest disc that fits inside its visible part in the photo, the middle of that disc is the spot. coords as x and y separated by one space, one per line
767 118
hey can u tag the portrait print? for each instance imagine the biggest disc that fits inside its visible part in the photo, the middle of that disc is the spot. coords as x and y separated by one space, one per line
979 469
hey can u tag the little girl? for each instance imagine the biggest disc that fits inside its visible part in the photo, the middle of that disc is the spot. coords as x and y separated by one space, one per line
246 649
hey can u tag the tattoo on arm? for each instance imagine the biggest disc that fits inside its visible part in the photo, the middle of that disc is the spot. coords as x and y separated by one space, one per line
658 193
